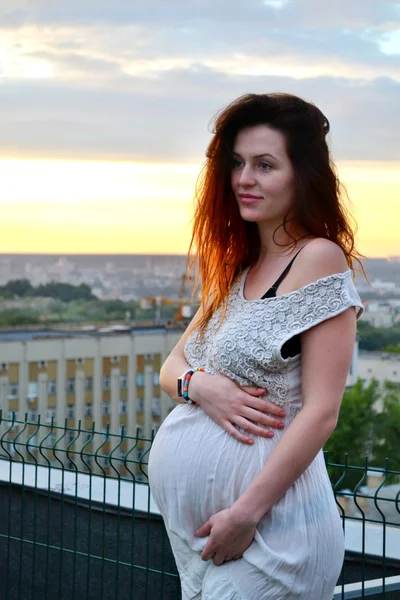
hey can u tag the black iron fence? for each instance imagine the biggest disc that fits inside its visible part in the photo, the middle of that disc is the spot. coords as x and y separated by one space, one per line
78 521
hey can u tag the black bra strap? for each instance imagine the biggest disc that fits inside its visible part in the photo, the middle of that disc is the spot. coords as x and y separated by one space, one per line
285 272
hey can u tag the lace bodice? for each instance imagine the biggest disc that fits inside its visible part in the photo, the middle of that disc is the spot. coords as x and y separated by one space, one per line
247 346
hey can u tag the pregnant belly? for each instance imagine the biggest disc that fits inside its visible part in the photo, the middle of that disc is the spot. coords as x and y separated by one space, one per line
196 468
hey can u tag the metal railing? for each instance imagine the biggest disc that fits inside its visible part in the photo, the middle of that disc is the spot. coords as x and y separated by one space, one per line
78 521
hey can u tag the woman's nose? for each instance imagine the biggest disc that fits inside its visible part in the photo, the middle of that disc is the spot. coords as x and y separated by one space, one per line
247 176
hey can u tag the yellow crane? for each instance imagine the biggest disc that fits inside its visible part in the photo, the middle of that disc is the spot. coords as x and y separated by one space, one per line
184 310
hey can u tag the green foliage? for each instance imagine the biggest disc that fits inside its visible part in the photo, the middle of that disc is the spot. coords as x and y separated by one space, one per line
12 318
64 291
373 338
354 424
17 287
393 348
368 425
387 428
22 288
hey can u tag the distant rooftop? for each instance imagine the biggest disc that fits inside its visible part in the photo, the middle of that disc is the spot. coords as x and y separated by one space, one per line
22 334
379 354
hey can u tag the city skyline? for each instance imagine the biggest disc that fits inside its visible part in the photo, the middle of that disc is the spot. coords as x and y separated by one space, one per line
105 112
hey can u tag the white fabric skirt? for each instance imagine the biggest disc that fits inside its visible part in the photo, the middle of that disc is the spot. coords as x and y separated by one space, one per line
197 469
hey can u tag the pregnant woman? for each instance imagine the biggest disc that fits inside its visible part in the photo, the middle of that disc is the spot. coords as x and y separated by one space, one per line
249 510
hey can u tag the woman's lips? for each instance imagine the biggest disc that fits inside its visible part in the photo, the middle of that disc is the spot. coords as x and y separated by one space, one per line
249 199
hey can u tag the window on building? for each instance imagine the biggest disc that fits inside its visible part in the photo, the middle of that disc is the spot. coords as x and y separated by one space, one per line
86 436
70 411
139 453
148 357
123 407
106 409
123 382
156 407
139 405
50 414
51 386
32 415
106 383
87 410
70 386
156 378
105 461
140 379
88 384
13 391
32 389
70 436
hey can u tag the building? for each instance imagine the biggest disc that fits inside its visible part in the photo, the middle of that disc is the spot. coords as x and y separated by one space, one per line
80 381
107 376
382 366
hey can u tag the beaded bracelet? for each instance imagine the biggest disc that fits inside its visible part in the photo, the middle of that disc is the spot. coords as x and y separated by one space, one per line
185 392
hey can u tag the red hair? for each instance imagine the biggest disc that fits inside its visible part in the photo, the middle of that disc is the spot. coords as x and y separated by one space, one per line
226 244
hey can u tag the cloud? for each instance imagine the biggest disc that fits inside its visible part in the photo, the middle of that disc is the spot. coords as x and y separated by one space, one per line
357 14
167 118
141 80
299 39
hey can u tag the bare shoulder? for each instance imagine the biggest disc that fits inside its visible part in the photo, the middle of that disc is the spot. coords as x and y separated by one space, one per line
319 258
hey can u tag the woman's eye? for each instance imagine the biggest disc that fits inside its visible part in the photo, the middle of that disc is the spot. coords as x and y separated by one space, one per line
236 163
265 166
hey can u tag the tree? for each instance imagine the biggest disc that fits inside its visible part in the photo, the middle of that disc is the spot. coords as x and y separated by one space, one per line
387 428
377 338
392 348
14 317
64 291
16 287
354 431
368 425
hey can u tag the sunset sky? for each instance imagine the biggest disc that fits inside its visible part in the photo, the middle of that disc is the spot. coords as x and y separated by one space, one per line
105 111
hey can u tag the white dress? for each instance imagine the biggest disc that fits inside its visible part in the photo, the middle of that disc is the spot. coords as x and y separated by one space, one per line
197 469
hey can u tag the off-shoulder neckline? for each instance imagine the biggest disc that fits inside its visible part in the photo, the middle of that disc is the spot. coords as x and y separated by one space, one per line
243 276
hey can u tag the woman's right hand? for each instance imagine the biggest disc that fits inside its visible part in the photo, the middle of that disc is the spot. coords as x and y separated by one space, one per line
230 404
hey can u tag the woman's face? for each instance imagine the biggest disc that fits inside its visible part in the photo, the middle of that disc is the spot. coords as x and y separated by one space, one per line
262 175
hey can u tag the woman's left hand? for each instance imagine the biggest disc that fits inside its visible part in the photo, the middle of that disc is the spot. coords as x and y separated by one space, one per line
230 535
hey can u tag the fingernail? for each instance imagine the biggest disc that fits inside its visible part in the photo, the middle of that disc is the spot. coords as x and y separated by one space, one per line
281 425
250 441
282 413
270 434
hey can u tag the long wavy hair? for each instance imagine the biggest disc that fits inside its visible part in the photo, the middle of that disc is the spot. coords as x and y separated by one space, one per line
224 243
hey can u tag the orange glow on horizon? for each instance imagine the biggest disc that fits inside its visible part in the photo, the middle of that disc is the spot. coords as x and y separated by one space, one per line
99 207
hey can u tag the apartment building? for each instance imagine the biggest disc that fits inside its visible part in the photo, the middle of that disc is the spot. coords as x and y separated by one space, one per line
105 376
109 378
382 366
102 379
